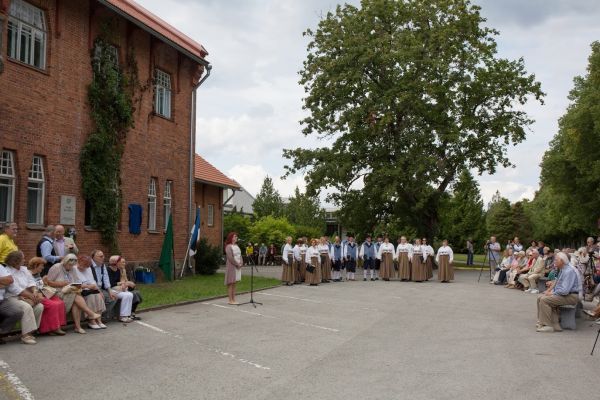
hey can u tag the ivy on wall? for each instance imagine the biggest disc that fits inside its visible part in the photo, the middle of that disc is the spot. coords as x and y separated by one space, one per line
111 97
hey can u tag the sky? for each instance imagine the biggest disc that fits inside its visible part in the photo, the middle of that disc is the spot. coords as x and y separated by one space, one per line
250 107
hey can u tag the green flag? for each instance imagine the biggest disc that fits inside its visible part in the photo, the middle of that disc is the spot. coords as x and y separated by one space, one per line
166 255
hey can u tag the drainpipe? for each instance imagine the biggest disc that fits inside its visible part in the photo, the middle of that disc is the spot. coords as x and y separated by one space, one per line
192 211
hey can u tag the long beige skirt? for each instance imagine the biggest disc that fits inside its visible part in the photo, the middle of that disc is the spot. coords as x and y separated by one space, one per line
445 270
325 267
404 266
95 302
418 268
386 268
301 271
287 274
429 267
314 278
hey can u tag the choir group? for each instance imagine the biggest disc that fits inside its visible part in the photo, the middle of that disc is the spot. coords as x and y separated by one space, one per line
323 261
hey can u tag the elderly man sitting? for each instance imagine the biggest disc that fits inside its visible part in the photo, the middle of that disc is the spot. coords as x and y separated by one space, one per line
564 291
529 280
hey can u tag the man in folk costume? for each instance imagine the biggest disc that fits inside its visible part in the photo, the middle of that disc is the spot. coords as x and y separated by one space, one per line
386 257
367 253
444 258
350 255
403 255
378 244
336 259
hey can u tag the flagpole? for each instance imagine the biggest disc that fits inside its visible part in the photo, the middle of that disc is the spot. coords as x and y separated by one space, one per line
187 253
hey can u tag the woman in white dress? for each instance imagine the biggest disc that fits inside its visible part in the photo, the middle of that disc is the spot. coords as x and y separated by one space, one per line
403 253
386 257
444 258
233 263
313 264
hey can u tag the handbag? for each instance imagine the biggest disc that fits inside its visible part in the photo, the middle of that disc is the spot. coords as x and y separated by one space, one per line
238 274
310 268
87 292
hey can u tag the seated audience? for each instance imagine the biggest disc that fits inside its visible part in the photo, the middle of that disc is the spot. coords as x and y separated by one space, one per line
536 270
504 267
515 266
9 313
62 277
54 315
89 289
124 288
100 273
21 293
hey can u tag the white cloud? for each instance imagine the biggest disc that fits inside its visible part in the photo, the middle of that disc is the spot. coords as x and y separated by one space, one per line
251 177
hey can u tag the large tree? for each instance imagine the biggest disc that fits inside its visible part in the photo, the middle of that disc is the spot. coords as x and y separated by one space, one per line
569 196
268 201
461 214
305 210
498 219
409 93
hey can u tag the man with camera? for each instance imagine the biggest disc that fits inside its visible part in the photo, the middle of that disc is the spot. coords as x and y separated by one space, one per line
493 253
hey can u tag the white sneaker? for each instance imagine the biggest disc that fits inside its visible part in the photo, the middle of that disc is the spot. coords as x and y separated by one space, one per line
534 291
545 329
527 291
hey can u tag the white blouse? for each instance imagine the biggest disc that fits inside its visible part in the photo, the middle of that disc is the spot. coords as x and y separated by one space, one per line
312 252
287 249
445 251
385 248
86 277
404 248
323 249
22 279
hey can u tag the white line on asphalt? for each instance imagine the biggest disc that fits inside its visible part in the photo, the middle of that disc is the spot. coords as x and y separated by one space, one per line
15 382
272 317
315 301
214 350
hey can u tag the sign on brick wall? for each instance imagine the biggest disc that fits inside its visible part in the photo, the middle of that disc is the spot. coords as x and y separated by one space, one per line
67 210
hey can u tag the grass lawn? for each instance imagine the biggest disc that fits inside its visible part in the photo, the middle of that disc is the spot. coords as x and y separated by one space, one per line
460 260
195 288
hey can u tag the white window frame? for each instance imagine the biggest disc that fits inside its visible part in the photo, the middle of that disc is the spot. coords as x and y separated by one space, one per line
113 55
210 218
167 202
36 184
8 180
152 205
162 93
24 19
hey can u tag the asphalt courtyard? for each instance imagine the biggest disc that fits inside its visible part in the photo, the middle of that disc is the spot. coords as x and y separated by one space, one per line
350 340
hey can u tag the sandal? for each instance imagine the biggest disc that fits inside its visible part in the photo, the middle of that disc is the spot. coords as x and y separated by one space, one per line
80 331
125 320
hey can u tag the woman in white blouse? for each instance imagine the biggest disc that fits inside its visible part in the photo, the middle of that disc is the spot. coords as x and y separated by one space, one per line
89 290
403 255
418 262
325 255
386 255
313 264
287 261
444 258
21 293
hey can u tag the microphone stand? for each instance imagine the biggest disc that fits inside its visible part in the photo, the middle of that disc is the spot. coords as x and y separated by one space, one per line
252 267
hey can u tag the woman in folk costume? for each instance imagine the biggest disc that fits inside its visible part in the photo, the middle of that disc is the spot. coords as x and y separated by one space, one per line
336 259
386 257
287 261
403 253
428 254
325 260
350 255
444 258
299 262
418 273
313 264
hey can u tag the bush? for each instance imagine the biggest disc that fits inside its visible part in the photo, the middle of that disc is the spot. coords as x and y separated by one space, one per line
271 230
208 258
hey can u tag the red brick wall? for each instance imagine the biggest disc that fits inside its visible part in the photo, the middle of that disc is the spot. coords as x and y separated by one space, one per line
46 113
208 194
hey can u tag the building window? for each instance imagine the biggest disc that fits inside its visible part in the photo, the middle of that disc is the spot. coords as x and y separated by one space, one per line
35 192
7 186
27 34
167 202
162 93
210 220
152 205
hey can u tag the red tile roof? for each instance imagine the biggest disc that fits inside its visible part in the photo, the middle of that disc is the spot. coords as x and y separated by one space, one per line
206 172
140 16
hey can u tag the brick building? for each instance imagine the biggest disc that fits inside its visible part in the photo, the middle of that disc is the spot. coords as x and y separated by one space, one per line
46 48
211 186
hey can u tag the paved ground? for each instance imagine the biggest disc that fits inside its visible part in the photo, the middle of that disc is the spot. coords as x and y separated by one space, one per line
354 340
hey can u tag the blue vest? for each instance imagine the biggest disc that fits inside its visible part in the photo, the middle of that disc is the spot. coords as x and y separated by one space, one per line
351 250
369 250
337 251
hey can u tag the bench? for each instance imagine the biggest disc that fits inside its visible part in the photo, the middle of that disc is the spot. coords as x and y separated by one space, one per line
541 284
568 313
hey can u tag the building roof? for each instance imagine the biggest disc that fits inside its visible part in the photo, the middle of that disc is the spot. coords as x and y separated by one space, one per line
207 173
157 27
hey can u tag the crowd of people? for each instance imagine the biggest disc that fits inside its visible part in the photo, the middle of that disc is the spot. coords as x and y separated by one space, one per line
563 276
58 281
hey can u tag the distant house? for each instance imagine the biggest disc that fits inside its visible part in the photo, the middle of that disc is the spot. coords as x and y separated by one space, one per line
241 201
210 188
334 227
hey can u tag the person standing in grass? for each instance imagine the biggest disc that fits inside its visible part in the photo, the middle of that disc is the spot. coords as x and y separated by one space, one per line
233 264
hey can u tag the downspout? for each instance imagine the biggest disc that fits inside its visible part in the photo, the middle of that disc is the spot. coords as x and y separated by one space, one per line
192 211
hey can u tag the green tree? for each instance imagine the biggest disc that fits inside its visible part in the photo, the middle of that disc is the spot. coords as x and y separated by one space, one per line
410 93
236 222
268 201
522 226
498 219
271 230
305 210
461 214
570 178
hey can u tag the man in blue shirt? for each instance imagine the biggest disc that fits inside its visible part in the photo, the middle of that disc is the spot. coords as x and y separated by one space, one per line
565 291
